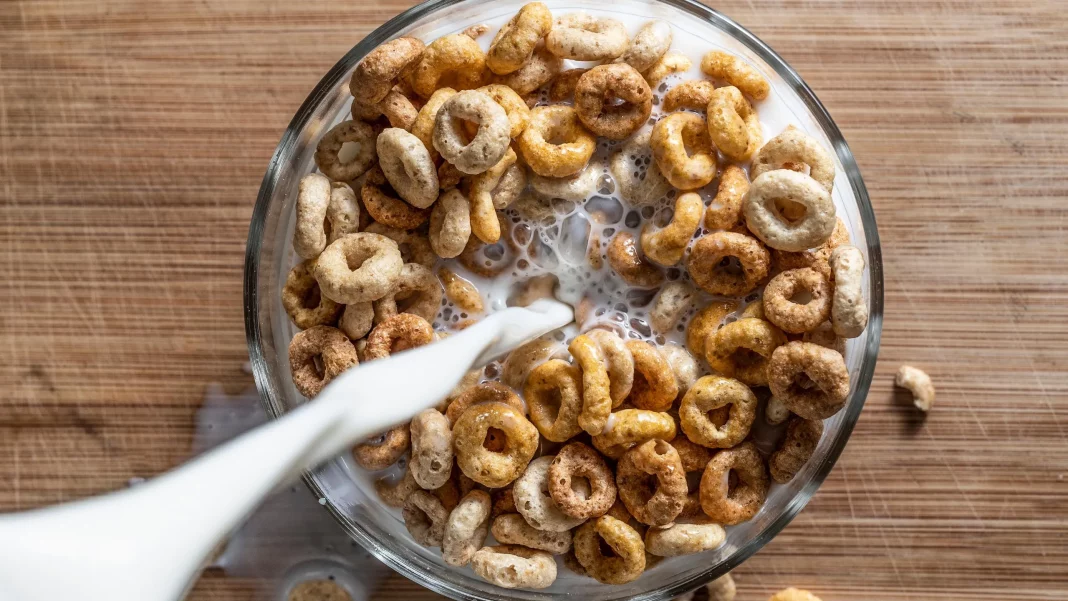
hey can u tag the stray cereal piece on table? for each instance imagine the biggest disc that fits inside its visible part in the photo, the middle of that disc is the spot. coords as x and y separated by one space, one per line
919 383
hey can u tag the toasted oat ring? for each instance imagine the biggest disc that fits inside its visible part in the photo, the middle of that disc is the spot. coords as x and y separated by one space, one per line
378 263
683 366
414 247
824 367
331 346
649 45
487 147
394 493
383 450
554 394
514 44
706 321
513 104
417 292
484 222
596 93
542 67
485 392
408 167
378 71
802 437
724 211
343 212
693 94
563 87
793 317
640 180
327 153
654 386
313 200
818 258
556 159
583 37
711 393
741 504
454 61
618 361
694 459
300 289
683 150
401 332
776 412
763 217
492 468
575 188
450 224
793 147
425 517
659 504
624 565
625 260
849 312
706 267
733 125
629 427
509 187
386 208
431 461
669 305
423 126
466 528
672 62
684 539
533 501
736 72
577 460
356 320
742 350
461 292
666 246
596 401
512 529
398 110
520 362
916 381
513 566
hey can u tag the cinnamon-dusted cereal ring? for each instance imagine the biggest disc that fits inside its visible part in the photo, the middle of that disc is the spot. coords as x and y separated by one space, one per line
794 147
487 147
461 292
776 412
625 260
536 72
649 45
618 361
596 96
514 43
575 188
399 333
711 393
423 126
383 450
919 384
513 104
408 167
414 247
518 365
694 459
793 317
706 321
431 462
485 392
793 594
627 561
795 365
512 529
425 518
394 493
509 187
654 386
556 159
849 312
331 346
313 199
742 350
491 468
672 62
684 539
563 87
683 150
763 217
577 460
666 246
417 292
453 60
378 71
706 263
718 500
466 528
398 109
583 37
653 504
512 566
802 437
736 72
726 207
733 125
596 401
554 394
450 224
386 208
484 222
639 179
629 427
336 161
693 94
534 503
682 364
669 305
300 291
818 258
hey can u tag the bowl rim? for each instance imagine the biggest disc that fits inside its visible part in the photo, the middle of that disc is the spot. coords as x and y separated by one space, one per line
391 29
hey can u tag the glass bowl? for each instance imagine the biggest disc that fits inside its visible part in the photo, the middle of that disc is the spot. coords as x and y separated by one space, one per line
269 256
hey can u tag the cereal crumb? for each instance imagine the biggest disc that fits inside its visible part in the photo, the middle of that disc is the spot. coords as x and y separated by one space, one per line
919 383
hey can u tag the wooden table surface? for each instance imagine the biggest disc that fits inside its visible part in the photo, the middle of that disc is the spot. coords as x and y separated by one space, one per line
133 137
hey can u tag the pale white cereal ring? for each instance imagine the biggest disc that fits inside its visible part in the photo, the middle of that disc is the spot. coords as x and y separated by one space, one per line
512 529
490 143
668 306
313 199
583 37
377 262
425 517
514 44
919 383
431 461
639 179
509 187
450 224
575 188
344 163
512 566
408 167
763 218
356 320
484 222
532 499
416 291
791 148
684 539
736 72
650 44
849 312
733 125
466 528
343 213
666 246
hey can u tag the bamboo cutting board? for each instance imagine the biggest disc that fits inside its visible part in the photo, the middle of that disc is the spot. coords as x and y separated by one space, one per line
134 134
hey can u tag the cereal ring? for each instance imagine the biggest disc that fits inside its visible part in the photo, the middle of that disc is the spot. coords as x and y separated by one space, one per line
624 258
629 427
454 61
375 75
534 503
693 94
556 159
484 392
336 160
461 292
431 461
303 302
849 312
650 44
383 450
653 504
818 258
542 67
706 321
487 147
583 37
386 208
596 401
408 167
613 101
423 126
575 188
394 493
466 528
513 104
794 317
343 212
313 199
414 247
512 529
503 501
721 589
330 346
492 468
356 320
684 539
364 112
425 518
733 506
654 386
398 333
672 62
640 180
554 394
694 459
563 87
763 217
810 380
627 560
509 187
449 176
725 210
484 222
710 271
683 366
576 460
519 363
618 361
794 147
776 412
417 292
668 306
742 350
514 44
919 383
736 72
711 393
683 150
666 245
512 566
802 437
793 594
733 125
398 110
450 224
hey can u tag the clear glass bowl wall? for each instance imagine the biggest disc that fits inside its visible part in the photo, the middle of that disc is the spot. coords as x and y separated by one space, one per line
269 257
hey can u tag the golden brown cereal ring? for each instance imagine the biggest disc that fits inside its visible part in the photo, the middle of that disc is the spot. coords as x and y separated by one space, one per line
726 207
742 350
423 127
583 37
669 305
802 437
331 346
552 159
466 528
333 158
666 245
627 561
753 310
795 365
793 594
596 401
625 260
487 147
729 507
485 392
398 110
425 517
300 291
694 459
509 187
417 291
706 263
461 292
534 503
450 224
792 317
704 322
454 61
849 312
818 258
554 394
919 384
394 493
563 87
490 468
693 94
683 150
513 104
514 44
672 62
375 75
577 460
654 386
313 199
794 147
629 427
618 361
776 412
649 45
512 529
536 72
431 461
736 72
711 393
733 125
512 566
684 539
596 94
653 504
575 188
399 333
386 208
518 365
682 364
763 217
639 186
484 222
383 450
408 167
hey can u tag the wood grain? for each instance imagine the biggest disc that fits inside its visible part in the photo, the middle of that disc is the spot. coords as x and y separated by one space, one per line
133 137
